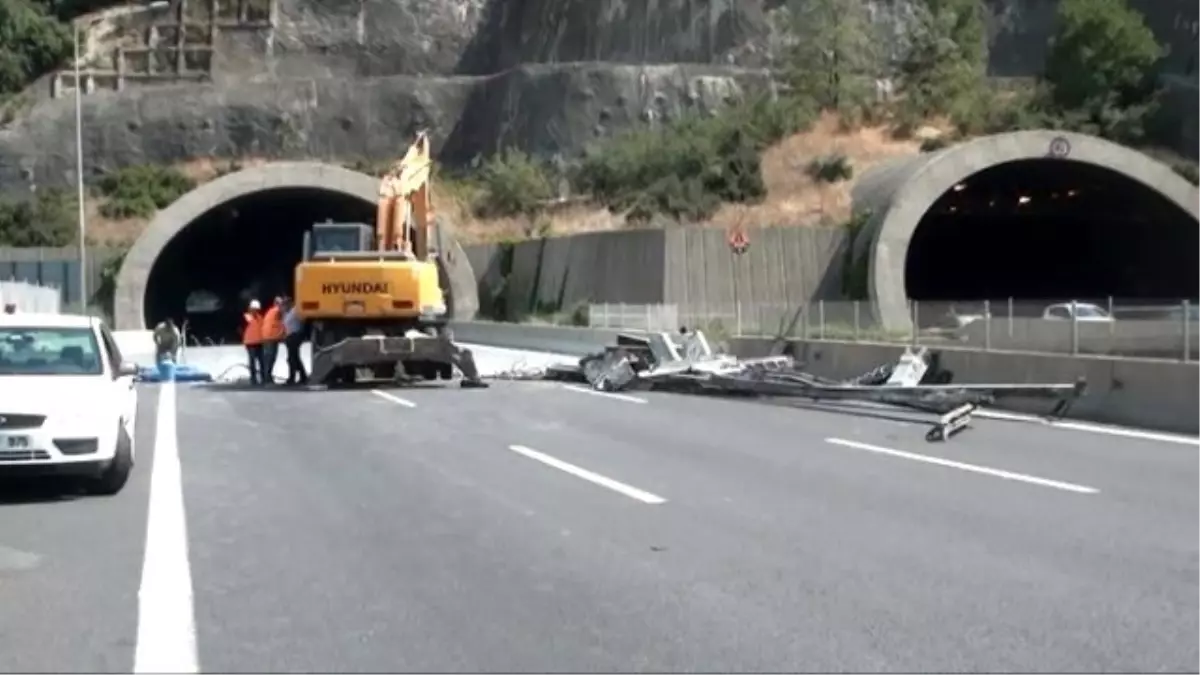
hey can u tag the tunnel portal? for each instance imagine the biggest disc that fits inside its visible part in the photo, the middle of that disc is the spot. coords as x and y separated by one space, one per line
1040 216
245 248
241 235
1047 231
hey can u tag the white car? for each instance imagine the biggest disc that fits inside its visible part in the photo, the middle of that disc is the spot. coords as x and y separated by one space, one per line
68 404
1080 311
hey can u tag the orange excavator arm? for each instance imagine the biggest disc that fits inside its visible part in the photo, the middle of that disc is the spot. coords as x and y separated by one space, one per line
405 202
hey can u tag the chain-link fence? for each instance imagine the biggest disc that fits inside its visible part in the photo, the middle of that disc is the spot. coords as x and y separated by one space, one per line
27 297
1151 329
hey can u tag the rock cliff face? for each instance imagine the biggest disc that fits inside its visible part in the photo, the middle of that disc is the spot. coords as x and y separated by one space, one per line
351 79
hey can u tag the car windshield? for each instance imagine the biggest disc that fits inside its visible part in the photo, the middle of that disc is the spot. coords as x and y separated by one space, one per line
1090 311
48 351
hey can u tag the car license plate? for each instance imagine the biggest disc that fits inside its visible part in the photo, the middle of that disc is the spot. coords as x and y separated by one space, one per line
15 442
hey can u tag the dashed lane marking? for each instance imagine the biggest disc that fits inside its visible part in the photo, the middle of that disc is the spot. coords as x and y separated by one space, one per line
578 472
973 468
394 399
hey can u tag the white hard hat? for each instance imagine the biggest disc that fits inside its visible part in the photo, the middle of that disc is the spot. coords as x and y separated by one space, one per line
255 305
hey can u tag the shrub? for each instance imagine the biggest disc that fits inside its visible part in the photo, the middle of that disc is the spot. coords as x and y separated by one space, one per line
512 183
830 169
934 144
687 169
49 219
139 191
1188 170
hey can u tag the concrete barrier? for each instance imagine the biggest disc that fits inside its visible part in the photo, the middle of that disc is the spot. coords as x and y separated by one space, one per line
1147 393
555 339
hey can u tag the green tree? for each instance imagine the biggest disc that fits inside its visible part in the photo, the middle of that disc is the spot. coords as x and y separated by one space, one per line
834 52
49 219
32 42
944 66
1102 69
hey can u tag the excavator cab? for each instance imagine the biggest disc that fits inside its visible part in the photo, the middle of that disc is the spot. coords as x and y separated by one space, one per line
373 295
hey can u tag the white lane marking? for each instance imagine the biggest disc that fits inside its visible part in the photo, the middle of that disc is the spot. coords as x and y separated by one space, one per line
615 486
394 399
607 394
166 637
1092 428
998 473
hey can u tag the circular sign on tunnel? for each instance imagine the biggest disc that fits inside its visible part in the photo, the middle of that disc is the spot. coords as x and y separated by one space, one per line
738 241
1060 147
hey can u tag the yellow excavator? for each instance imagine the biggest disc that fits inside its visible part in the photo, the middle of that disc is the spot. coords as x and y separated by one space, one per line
373 296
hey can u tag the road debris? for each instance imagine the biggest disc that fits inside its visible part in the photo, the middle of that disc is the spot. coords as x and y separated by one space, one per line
687 363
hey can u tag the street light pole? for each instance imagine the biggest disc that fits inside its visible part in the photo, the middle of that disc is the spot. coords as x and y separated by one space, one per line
83 284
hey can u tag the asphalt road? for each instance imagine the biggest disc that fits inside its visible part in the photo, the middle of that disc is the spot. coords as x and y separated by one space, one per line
536 528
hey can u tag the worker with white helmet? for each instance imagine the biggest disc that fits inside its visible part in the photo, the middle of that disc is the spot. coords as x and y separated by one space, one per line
252 338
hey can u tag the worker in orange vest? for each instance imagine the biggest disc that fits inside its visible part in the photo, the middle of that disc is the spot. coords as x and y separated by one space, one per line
273 334
252 338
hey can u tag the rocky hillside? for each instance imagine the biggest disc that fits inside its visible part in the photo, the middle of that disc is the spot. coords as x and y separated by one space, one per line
338 79
346 80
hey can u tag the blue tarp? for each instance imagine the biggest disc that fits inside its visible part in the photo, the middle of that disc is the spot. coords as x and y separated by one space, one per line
166 371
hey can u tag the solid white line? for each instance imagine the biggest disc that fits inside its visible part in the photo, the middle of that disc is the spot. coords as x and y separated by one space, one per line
998 473
1092 428
166 637
615 486
607 394
394 399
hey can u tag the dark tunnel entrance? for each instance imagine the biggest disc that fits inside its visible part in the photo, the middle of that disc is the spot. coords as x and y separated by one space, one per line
1045 231
241 249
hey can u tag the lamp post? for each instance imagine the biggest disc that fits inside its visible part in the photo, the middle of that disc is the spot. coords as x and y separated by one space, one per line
83 298
83 284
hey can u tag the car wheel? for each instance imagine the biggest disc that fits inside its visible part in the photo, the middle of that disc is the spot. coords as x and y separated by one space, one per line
117 474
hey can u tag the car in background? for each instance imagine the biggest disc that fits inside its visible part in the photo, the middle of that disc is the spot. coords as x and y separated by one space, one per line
68 403
1079 311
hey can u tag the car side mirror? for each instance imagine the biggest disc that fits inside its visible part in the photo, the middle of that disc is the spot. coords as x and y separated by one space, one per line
127 369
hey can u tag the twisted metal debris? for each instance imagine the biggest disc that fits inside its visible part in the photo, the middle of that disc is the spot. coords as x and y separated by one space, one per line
687 363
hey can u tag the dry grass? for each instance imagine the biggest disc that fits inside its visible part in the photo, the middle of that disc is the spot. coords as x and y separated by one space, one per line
793 198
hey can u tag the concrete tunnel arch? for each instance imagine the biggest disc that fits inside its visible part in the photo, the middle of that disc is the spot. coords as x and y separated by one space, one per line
129 306
898 196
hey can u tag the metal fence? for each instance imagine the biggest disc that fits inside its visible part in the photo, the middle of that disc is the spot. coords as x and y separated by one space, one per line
30 297
1166 329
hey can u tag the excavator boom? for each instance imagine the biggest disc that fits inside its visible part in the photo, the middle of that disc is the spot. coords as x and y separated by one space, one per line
405 203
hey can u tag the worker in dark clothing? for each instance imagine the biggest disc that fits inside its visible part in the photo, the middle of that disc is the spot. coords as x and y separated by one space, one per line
294 340
252 338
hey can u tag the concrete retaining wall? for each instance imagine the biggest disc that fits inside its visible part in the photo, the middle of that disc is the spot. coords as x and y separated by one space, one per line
690 267
1147 393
